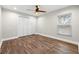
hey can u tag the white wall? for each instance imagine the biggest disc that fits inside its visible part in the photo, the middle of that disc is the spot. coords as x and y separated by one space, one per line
9 23
0 23
0 27
47 24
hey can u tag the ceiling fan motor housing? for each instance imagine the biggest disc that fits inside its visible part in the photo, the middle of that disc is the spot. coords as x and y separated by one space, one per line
37 9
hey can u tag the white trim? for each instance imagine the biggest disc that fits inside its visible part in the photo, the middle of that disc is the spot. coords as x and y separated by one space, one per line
69 41
11 38
62 39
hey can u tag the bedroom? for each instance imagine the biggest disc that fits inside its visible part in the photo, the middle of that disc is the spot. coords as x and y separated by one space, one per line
21 26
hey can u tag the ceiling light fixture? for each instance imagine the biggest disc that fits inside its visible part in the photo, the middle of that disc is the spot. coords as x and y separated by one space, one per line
15 8
37 13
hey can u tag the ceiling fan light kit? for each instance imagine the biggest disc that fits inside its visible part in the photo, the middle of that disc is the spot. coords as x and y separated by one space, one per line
37 10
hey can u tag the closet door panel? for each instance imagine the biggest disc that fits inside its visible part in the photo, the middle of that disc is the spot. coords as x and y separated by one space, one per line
20 27
26 26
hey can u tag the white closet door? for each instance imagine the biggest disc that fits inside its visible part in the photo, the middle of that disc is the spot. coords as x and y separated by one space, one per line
20 26
32 24
25 26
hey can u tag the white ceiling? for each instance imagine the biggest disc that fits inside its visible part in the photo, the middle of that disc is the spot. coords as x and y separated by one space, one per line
23 8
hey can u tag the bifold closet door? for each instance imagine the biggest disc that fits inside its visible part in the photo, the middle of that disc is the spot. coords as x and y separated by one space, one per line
24 26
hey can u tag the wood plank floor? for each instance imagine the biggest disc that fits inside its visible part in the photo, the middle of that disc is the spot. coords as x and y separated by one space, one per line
37 44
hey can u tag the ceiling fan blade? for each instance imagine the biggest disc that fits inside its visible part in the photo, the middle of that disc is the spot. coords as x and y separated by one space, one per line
30 10
41 11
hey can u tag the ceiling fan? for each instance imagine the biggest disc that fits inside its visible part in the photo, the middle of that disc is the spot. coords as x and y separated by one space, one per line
37 9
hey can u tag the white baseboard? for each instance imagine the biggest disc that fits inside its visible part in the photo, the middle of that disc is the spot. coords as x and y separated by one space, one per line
69 41
7 39
10 38
62 39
